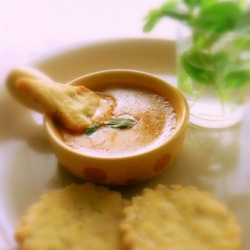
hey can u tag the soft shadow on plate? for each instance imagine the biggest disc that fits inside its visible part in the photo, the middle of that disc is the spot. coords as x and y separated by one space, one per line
19 123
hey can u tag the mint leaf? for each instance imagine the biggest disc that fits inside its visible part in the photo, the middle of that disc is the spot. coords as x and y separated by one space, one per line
219 18
207 4
169 5
121 123
90 130
168 9
220 61
185 83
234 80
197 64
177 14
192 3
152 19
204 40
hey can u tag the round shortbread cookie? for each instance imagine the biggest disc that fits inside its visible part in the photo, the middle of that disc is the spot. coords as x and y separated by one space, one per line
178 218
76 217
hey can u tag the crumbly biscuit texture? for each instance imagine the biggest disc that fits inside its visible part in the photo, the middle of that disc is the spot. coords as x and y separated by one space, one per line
178 218
72 106
76 217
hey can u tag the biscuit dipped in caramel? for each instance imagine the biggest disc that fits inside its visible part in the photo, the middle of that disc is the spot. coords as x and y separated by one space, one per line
74 107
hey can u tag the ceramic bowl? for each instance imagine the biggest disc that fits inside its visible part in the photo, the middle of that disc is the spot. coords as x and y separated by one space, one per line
130 169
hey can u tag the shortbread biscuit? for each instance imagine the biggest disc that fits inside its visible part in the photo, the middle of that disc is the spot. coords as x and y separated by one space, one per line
76 217
178 218
73 106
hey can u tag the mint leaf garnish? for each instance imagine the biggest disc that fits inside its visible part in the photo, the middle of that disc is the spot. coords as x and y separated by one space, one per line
120 123
90 130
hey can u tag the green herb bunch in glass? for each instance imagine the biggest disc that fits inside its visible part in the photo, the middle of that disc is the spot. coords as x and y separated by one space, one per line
215 58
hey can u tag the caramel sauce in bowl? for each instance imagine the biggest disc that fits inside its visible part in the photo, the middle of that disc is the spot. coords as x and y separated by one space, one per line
114 156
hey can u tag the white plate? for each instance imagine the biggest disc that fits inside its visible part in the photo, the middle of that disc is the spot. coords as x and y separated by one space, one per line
211 161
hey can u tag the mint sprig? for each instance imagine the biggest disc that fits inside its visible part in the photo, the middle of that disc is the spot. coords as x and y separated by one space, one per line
210 21
120 123
91 129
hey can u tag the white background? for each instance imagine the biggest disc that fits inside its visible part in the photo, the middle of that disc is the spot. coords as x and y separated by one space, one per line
30 28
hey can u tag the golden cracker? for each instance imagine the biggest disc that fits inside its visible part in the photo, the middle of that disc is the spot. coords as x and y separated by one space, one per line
76 217
72 106
178 218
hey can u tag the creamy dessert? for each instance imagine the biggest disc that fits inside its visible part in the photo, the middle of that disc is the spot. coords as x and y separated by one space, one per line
153 121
